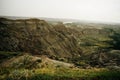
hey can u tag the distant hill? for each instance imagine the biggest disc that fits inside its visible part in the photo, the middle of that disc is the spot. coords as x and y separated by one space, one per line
64 20
43 18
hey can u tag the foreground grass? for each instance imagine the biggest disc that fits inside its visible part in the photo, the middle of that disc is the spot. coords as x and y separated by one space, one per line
59 74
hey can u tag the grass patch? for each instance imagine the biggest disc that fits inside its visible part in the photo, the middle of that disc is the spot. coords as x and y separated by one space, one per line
60 74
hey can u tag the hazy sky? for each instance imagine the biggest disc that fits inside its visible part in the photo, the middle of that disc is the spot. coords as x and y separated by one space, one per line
98 10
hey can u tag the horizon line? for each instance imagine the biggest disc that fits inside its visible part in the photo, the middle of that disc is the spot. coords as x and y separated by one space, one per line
75 20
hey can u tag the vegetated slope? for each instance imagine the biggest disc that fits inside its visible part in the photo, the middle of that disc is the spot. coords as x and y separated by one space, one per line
29 61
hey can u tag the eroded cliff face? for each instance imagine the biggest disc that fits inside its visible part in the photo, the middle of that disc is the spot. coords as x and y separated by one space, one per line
38 37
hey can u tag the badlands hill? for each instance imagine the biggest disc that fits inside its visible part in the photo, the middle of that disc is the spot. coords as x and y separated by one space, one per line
81 46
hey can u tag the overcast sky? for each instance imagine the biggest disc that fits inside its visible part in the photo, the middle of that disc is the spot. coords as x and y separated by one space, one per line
98 10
